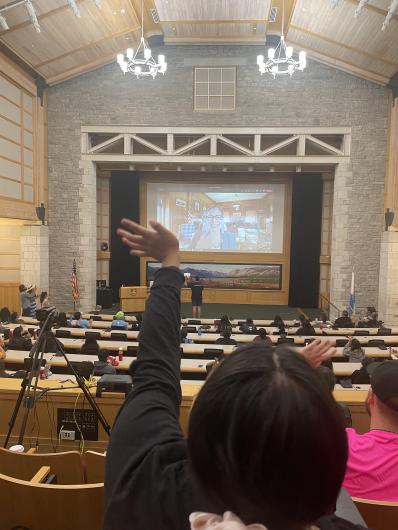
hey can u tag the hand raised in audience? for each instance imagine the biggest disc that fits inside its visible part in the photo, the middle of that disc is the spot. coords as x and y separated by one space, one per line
318 351
158 243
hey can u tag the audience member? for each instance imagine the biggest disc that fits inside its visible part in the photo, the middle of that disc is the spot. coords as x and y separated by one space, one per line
329 379
278 323
5 315
224 324
373 456
353 351
62 321
20 340
248 327
196 296
136 326
306 328
370 320
344 321
90 346
28 297
81 322
15 318
119 321
184 337
44 301
263 338
226 338
362 376
254 445
101 366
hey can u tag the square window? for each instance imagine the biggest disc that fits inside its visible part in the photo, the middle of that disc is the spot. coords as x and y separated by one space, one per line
215 88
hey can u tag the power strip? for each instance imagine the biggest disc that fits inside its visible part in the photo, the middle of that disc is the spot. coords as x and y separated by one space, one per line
67 435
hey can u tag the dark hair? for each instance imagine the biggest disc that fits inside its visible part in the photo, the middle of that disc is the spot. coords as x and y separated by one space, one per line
17 331
278 320
184 334
249 320
14 317
197 278
77 315
302 318
91 340
345 313
328 377
355 344
323 316
62 321
306 323
254 440
103 355
262 333
22 288
43 296
5 315
226 333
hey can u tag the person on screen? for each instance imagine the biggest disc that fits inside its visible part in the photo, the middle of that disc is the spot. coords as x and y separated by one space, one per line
212 234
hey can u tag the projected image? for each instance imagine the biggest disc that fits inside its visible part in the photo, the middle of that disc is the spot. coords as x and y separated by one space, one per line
228 218
228 276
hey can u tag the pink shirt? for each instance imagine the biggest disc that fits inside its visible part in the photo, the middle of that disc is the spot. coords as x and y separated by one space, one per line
372 467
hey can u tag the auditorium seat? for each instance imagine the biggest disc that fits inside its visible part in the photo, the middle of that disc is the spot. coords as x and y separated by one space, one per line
384 331
63 333
285 340
378 515
192 322
34 506
361 332
93 334
377 343
212 353
340 343
118 336
95 466
67 466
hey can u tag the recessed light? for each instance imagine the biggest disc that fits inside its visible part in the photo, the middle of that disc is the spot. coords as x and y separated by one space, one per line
122 11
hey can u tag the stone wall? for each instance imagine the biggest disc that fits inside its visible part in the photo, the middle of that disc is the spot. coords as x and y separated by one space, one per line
34 256
321 96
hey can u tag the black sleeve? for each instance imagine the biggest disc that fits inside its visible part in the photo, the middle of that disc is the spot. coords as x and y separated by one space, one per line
150 415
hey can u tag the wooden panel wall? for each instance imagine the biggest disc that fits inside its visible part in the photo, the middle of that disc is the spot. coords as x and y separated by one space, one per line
391 182
235 296
326 235
103 227
23 144
10 238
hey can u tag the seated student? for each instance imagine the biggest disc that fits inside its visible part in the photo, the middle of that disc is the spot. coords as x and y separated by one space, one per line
81 322
263 338
44 301
248 327
344 321
370 321
306 328
373 456
224 324
62 321
136 326
278 323
20 340
15 318
5 315
90 346
101 366
119 321
184 337
248 449
329 380
226 338
353 351
362 376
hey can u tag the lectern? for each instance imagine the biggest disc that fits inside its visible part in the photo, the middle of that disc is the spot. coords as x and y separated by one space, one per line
133 298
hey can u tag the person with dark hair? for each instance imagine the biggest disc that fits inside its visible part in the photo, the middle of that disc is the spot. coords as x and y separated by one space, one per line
15 318
279 323
373 456
28 297
90 346
353 351
196 296
344 321
44 301
329 380
263 338
306 328
5 315
226 338
20 340
101 366
80 322
254 447
248 327
362 376
62 321
224 324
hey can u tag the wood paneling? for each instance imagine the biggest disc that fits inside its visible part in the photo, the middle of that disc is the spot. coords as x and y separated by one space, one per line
391 183
9 295
103 235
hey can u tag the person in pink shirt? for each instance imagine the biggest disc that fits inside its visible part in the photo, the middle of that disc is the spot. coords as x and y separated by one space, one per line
372 467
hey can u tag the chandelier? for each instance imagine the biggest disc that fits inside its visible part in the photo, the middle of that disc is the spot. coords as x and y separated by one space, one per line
140 62
280 60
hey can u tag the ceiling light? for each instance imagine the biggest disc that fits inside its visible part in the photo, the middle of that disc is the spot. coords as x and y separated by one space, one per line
32 15
3 23
390 14
360 7
75 9
98 3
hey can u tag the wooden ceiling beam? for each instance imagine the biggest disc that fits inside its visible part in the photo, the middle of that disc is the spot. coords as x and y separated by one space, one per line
341 45
88 46
212 21
27 23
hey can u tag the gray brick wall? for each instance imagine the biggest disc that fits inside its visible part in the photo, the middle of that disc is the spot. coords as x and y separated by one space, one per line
320 96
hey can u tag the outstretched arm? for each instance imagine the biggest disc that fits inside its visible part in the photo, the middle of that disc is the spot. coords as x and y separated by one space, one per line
150 414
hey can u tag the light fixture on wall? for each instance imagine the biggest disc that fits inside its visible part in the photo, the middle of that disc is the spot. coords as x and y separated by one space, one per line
41 213
140 62
363 3
280 59
29 7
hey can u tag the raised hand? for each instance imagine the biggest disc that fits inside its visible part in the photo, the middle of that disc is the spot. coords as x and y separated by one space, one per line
158 243
318 351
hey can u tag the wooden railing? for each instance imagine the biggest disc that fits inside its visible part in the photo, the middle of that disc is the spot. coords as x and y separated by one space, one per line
325 304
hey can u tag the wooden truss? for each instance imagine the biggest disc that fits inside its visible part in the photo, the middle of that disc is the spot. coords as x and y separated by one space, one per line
217 145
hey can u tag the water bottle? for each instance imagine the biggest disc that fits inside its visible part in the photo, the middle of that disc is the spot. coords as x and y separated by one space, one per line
199 331
120 354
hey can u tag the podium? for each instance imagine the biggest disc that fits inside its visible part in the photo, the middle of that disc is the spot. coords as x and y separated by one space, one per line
133 298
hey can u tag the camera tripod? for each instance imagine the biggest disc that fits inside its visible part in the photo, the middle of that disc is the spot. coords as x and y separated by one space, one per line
29 385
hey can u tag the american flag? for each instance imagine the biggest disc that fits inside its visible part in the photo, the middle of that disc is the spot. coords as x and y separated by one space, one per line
75 285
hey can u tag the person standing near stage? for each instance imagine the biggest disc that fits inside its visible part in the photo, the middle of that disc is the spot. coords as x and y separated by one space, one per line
196 297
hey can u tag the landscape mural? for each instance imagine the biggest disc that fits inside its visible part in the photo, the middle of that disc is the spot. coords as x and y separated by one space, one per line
229 276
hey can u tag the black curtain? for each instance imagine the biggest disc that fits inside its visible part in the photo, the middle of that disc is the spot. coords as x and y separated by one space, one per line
305 240
125 202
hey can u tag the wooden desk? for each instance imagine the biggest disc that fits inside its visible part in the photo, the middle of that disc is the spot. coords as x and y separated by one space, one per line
133 299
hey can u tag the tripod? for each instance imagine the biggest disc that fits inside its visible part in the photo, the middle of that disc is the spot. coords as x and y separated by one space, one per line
29 385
